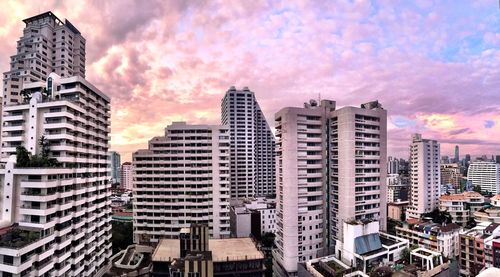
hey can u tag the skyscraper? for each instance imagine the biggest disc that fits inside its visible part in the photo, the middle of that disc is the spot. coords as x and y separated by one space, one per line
425 176
457 154
182 178
332 167
126 176
252 145
115 167
47 45
392 166
55 204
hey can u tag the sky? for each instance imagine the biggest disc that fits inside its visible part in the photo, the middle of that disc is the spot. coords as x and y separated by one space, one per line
434 65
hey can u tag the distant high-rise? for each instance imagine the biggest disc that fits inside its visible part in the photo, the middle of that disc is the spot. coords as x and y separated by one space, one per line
332 167
126 177
497 159
252 145
47 45
425 176
182 178
486 175
393 166
115 167
457 154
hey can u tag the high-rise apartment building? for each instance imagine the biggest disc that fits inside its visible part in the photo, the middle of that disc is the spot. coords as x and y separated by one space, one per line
331 168
451 175
47 45
457 154
56 213
127 180
182 178
425 176
252 145
115 167
486 175
392 165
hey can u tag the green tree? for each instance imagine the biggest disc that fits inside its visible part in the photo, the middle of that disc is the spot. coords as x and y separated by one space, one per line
268 239
471 223
439 216
22 157
122 235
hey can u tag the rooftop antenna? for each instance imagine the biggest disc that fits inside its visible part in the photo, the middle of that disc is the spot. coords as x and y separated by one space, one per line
319 97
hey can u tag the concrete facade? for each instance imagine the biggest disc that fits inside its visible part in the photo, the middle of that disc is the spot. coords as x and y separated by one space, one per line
47 45
115 167
425 176
182 178
252 145
62 207
127 177
321 153
486 175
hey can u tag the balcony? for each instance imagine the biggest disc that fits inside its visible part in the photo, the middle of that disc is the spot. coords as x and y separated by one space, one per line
17 238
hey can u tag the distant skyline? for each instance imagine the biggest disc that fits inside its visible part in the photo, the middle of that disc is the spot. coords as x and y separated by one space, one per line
434 65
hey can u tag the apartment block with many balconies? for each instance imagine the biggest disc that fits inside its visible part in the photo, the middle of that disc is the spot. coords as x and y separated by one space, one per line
47 45
425 176
55 207
252 145
461 206
331 167
182 178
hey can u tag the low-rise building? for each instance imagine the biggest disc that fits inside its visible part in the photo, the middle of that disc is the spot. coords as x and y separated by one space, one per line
396 210
255 216
432 236
476 248
365 247
491 213
461 206
194 254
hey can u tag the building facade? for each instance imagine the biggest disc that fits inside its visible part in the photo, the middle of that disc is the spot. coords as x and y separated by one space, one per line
182 178
115 167
47 45
55 200
476 248
252 145
432 236
461 206
486 175
321 152
127 179
425 176
451 175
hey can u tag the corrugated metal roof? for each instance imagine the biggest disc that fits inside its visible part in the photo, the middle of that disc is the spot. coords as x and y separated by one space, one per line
367 243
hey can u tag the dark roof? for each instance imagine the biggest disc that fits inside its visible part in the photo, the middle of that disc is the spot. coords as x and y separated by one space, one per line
449 227
42 15
491 228
367 243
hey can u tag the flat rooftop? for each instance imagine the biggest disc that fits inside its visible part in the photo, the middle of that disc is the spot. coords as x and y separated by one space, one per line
167 250
234 249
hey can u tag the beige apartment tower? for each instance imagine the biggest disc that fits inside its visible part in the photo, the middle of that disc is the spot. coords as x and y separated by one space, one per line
425 176
182 178
331 168
47 45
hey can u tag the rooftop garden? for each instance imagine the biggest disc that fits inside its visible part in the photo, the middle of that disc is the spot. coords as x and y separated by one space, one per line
26 159
18 238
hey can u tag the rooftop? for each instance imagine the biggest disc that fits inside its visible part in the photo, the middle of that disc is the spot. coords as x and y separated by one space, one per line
234 249
461 196
167 250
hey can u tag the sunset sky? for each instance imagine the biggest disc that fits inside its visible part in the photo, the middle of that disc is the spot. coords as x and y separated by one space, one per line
434 65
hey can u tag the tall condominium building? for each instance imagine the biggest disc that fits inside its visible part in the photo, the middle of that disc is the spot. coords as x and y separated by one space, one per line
425 176
252 145
486 175
47 45
56 213
182 178
457 154
127 180
331 168
115 167
451 175
393 165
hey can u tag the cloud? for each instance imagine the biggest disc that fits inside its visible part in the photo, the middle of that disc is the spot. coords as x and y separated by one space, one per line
164 61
